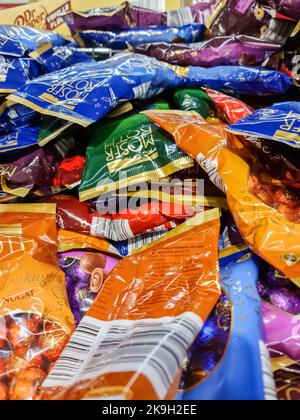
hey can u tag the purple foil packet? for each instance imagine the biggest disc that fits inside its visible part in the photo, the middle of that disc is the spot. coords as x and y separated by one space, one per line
232 50
290 8
37 168
85 273
117 17
282 332
250 17
278 290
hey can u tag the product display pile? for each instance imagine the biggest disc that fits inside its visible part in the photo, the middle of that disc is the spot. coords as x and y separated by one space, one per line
150 204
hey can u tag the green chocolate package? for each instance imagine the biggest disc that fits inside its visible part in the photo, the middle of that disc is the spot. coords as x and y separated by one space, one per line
195 100
127 151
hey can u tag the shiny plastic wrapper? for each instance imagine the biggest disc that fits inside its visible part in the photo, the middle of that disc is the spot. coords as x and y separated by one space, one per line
115 17
250 17
228 50
153 305
35 169
280 122
15 72
16 116
139 36
69 172
231 109
232 335
282 331
85 273
253 81
132 150
32 38
269 232
194 100
85 93
35 317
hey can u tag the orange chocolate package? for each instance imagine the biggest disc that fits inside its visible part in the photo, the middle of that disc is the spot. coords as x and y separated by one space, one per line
270 232
133 341
35 317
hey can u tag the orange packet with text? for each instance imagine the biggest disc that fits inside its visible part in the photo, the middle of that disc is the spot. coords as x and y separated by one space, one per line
229 163
35 316
133 341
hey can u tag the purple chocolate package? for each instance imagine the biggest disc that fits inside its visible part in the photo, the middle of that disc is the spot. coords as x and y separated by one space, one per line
278 290
250 17
85 273
196 13
38 167
232 50
116 17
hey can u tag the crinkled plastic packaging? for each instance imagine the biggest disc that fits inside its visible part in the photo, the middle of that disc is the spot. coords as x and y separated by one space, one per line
58 58
287 378
132 150
138 36
231 109
69 172
15 72
35 317
116 17
280 122
232 336
33 38
253 81
250 17
228 50
35 169
195 13
279 291
16 116
269 233
194 100
126 224
13 47
86 92
282 331
153 305
85 273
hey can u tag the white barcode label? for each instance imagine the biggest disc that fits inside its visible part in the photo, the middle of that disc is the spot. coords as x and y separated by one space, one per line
141 240
157 5
180 17
268 378
155 348
115 230
212 171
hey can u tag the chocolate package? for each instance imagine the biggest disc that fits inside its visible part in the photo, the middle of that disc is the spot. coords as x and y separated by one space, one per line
250 17
85 273
232 335
132 150
35 318
138 36
224 50
87 92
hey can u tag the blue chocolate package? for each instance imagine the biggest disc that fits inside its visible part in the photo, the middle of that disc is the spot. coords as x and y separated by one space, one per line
33 38
229 360
59 58
16 116
13 47
86 92
138 36
240 80
20 139
15 72
280 122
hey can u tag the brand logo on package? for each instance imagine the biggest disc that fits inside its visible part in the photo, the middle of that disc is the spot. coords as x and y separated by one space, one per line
39 17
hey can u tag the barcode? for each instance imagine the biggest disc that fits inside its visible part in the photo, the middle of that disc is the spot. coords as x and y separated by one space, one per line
115 230
212 171
145 239
226 238
158 5
268 378
155 348
180 17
